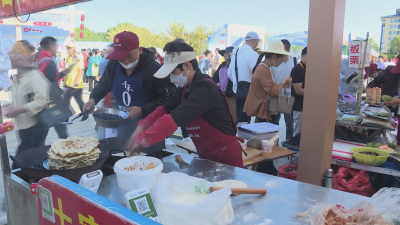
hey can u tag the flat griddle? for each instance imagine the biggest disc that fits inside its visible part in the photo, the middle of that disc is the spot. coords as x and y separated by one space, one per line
27 160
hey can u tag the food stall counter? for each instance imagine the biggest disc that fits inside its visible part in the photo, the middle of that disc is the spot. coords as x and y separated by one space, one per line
284 197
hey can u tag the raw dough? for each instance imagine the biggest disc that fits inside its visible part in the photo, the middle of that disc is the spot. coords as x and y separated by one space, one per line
231 184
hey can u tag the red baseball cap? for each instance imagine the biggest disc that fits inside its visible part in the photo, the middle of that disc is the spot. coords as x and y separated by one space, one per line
396 69
124 43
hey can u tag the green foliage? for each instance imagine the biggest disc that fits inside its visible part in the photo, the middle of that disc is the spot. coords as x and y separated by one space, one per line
374 45
196 38
89 35
394 48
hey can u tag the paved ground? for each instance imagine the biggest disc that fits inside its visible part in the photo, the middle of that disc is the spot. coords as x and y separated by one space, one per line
81 129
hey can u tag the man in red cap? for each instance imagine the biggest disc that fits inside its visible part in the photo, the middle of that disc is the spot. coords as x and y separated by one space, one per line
129 76
388 80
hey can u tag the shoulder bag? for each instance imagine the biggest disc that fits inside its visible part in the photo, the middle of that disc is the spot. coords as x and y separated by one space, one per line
57 110
280 104
242 88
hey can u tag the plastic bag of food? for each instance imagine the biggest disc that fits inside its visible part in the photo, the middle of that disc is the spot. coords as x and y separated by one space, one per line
353 181
288 171
387 202
182 199
330 214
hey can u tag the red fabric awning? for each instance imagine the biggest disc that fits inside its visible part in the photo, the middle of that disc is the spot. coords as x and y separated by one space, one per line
31 6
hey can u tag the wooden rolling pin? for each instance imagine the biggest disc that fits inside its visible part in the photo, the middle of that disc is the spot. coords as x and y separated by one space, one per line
237 191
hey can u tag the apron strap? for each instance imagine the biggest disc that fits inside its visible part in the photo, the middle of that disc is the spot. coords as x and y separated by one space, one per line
226 106
229 113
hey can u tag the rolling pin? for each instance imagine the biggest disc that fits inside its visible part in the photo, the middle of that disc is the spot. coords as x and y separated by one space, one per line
237 191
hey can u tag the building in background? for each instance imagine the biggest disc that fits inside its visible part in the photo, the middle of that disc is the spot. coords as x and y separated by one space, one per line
390 29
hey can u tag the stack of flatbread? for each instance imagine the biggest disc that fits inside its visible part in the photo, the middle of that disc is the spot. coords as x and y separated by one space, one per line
74 152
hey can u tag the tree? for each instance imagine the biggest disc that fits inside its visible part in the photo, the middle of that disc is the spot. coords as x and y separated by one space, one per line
198 38
89 35
145 36
394 48
374 45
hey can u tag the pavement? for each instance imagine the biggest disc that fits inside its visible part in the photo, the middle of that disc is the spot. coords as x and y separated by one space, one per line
82 129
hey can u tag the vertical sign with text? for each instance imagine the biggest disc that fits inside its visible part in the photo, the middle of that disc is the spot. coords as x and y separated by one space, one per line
356 54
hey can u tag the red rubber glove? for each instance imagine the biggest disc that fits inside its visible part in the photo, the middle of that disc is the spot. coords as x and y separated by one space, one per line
161 129
152 117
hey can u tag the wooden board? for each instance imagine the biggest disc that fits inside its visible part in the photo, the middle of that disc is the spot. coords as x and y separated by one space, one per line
277 153
251 152
255 155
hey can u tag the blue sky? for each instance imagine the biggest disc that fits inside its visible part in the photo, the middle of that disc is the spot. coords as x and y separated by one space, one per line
277 16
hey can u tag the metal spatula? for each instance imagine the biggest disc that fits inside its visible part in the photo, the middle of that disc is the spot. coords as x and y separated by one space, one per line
182 164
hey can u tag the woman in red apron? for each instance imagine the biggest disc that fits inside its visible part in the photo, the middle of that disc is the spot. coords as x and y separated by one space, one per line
199 105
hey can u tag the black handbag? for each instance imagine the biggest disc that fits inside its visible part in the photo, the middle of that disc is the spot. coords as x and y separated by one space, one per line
58 110
242 87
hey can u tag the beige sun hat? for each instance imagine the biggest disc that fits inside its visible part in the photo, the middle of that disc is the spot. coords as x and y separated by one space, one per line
277 48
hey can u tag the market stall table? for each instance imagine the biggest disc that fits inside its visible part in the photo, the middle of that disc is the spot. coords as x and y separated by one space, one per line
389 168
277 153
284 197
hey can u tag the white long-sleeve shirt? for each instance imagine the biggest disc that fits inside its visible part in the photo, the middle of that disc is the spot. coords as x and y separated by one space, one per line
247 59
283 71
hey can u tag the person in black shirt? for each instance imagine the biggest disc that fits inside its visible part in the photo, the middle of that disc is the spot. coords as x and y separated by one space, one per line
199 105
298 76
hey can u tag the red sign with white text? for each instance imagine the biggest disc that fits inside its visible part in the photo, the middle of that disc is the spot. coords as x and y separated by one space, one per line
23 7
62 202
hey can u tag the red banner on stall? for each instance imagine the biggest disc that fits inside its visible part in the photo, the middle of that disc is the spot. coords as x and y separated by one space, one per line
23 7
62 202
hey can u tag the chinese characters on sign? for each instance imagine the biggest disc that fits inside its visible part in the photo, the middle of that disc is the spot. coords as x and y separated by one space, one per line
356 54
62 202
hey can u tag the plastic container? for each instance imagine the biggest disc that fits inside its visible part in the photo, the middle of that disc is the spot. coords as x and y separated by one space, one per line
266 146
369 159
140 177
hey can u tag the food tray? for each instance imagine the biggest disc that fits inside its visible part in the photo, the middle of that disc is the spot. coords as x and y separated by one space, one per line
371 111
343 120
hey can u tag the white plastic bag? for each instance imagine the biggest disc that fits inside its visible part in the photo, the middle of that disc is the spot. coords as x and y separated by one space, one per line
199 208
328 213
387 202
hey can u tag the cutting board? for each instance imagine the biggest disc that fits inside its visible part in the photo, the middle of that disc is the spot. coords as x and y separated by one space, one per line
251 152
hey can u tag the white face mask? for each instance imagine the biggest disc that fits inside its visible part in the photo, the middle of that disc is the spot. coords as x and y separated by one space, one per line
130 65
179 80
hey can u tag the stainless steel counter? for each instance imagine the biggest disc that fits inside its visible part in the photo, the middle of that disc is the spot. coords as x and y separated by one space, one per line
284 198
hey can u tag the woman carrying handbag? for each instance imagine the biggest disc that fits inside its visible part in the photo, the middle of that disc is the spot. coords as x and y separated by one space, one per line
263 89
30 95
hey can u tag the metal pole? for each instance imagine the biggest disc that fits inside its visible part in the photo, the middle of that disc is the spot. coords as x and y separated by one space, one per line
361 76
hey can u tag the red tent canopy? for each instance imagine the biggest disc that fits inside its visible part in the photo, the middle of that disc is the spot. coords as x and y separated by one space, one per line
31 6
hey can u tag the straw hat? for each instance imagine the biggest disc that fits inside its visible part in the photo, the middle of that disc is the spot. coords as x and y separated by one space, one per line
277 48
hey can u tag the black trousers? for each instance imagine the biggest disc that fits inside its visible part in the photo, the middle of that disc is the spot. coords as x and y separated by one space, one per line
76 93
61 130
184 132
31 138
268 166
92 83
241 116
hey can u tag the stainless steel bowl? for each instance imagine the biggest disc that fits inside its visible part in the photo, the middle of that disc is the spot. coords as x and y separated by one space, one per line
110 123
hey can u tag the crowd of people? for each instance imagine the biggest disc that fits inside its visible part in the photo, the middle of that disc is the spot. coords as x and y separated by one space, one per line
162 91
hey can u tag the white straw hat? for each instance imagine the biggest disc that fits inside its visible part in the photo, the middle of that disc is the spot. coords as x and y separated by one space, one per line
276 47
171 61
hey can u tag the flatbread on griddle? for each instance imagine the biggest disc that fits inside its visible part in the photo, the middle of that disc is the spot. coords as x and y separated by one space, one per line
74 146
74 152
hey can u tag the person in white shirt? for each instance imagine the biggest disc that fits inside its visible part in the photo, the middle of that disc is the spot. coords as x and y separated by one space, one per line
281 72
246 60
215 62
345 73
381 63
